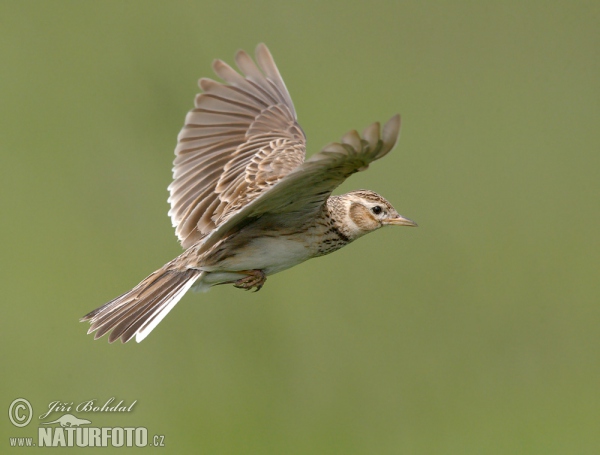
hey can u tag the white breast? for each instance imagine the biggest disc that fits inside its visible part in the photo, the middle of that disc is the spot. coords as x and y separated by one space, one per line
269 254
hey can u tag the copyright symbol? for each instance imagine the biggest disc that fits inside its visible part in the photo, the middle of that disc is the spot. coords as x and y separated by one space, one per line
20 412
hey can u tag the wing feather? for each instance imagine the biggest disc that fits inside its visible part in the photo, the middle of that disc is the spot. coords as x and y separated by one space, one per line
266 62
234 126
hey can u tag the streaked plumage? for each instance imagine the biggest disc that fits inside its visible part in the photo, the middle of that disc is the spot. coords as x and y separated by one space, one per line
244 202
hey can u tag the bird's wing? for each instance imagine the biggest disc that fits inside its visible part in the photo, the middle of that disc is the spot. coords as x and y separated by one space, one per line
302 193
241 139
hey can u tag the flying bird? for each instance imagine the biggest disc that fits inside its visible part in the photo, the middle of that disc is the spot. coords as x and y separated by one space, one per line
245 203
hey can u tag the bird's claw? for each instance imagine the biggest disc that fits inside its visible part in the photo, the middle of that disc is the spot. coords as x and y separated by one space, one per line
254 279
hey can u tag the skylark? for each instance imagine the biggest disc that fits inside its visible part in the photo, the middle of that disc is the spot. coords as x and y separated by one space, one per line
244 202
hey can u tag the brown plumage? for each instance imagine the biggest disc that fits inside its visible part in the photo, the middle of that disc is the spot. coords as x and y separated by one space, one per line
244 202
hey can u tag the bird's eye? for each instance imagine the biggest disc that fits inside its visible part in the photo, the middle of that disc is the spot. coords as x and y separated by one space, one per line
376 210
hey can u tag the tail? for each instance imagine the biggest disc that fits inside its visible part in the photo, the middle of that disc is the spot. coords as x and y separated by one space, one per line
139 311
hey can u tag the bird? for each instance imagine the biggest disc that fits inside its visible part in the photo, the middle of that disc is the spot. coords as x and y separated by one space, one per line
244 201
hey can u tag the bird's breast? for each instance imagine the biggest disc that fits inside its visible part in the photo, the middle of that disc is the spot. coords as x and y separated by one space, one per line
278 253
270 253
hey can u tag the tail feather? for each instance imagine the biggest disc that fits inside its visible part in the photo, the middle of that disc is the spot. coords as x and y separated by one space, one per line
143 327
150 297
139 311
110 315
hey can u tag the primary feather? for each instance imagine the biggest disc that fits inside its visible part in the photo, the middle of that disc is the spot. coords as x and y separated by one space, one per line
240 139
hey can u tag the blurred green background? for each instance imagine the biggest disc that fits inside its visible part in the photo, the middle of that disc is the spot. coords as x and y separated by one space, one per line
477 333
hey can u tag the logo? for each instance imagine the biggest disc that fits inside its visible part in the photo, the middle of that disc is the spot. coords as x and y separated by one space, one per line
69 430
20 412
68 420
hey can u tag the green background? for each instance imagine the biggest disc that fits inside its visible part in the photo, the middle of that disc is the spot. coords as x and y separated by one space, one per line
477 333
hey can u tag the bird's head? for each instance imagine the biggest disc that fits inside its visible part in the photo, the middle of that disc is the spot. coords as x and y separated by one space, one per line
367 211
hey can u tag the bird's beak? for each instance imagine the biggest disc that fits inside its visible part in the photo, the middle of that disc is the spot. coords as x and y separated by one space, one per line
400 221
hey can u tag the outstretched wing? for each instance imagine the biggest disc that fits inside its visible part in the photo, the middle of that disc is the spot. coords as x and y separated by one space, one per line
241 139
303 191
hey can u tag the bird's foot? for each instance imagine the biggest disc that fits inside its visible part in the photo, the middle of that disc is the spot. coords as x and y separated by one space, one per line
254 279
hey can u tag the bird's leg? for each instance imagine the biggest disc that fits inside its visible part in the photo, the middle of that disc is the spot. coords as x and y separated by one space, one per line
254 279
